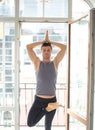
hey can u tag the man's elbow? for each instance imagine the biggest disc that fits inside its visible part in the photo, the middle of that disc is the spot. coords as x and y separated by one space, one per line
28 47
64 48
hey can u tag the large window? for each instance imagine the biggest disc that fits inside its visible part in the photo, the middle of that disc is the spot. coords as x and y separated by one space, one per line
7 97
44 8
33 32
7 8
78 74
32 18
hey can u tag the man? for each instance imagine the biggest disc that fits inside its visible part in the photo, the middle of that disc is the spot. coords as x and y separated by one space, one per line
45 102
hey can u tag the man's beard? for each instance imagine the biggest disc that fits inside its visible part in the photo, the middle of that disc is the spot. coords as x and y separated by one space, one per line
46 57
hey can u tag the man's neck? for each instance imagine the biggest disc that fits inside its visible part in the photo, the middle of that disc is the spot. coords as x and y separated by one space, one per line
46 61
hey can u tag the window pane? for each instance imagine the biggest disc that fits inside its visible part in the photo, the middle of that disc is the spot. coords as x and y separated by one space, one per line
7 97
33 32
7 8
8 58
34 8
7 120
76 125
79 67
7 66
31 8
8 44
0 43
8 52
0 52
7 79
8 72
56 8
81 9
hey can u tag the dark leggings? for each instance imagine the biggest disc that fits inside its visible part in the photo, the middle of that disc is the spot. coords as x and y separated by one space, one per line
37 111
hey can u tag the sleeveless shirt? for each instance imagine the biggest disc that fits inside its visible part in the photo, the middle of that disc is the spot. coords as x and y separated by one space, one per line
46 77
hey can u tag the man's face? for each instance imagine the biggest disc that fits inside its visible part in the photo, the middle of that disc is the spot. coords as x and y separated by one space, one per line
46 52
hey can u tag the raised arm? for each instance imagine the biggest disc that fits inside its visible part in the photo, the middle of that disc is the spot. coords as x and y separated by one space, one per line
31 52
60 54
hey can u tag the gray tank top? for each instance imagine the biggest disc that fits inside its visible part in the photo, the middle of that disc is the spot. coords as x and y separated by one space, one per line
46 77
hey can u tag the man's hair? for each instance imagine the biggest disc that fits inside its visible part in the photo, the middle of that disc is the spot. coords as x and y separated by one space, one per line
46 44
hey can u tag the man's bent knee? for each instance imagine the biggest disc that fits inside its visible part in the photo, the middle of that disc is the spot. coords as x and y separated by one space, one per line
30 124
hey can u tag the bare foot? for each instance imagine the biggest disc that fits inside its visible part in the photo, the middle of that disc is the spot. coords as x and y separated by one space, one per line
53 106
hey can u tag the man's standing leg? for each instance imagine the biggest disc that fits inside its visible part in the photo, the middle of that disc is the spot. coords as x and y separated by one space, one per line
48 119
